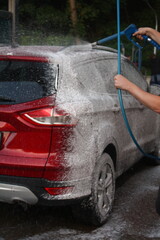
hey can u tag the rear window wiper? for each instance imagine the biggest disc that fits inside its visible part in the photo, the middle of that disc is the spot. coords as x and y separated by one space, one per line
5 99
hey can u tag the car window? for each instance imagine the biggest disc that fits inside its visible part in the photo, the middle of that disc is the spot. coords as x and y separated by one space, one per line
98 75
23 81
108 69
132 73
89 77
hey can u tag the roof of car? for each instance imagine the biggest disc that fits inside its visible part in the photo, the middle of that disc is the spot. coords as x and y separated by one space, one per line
30 50
44 51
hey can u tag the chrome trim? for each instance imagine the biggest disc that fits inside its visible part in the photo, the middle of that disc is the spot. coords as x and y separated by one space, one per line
13 193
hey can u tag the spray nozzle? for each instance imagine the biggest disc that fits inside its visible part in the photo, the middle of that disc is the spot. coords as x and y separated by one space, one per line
129 32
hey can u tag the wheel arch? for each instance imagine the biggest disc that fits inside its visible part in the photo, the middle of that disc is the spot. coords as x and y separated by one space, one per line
112 152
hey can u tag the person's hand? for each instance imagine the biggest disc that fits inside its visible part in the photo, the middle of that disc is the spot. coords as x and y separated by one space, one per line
142 31
121 82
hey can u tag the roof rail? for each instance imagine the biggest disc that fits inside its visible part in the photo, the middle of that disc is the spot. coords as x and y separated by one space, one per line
95 46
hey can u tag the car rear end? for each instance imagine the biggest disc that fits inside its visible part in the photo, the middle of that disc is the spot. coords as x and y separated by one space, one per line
33 131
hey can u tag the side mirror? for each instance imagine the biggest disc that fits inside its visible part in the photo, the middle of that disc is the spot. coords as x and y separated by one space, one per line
5 28
155 89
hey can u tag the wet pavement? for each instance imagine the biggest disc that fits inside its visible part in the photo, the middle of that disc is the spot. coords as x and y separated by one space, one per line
133 217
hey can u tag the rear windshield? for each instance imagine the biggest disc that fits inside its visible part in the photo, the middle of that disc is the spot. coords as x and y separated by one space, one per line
23 81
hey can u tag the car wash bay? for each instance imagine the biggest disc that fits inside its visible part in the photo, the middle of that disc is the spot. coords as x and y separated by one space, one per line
133 216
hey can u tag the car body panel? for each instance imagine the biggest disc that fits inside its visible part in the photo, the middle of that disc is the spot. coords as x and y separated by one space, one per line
64 156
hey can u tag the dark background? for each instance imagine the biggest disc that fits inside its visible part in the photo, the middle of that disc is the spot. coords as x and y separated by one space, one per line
49 22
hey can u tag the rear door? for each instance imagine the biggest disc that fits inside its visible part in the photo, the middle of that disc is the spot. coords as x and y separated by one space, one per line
117 131
141 119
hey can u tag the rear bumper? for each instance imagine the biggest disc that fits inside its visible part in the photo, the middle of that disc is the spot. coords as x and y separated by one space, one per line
32 190
14 193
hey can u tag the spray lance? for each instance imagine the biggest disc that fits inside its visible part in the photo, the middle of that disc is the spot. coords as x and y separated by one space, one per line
128 32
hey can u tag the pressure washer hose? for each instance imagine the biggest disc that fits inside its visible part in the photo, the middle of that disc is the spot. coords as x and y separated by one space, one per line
120 92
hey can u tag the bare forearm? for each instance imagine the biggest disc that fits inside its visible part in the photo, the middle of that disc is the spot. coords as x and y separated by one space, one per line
149 100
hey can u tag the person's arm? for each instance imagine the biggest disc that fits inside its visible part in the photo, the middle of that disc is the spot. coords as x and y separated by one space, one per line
149 100
150 32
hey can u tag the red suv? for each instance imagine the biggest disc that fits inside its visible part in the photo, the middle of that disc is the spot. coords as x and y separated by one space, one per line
34 130
62 135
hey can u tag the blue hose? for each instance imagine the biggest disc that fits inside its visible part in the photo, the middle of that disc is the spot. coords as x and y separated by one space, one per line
119 90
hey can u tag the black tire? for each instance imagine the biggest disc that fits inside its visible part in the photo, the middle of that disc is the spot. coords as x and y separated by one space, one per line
96 209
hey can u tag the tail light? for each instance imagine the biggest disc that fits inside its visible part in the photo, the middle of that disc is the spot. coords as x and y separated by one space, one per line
50 116
59 190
